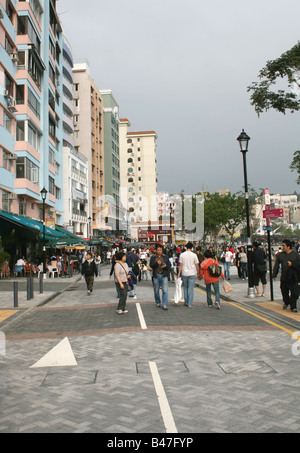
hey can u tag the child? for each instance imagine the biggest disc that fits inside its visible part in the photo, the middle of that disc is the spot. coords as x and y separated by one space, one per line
89 269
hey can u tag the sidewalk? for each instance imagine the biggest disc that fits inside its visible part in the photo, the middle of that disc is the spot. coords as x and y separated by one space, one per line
52 287
263 305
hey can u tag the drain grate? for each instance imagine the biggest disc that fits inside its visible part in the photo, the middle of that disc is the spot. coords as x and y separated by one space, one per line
255 367
178 367
70 377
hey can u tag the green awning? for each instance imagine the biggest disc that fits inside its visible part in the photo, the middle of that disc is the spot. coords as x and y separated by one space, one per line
33 225
74 239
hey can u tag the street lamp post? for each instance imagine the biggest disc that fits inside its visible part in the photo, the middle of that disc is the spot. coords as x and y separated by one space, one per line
243 140
90 230
44 193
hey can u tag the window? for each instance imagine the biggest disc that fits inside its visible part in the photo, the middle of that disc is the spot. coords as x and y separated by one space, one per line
130 180
129 140
7 122
5 201
51 186
28 170
20 136
51 157
33 103
33 138
52 128
20 94
130 160
129 150
130 170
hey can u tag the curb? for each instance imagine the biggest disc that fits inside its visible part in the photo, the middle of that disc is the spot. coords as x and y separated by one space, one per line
254 308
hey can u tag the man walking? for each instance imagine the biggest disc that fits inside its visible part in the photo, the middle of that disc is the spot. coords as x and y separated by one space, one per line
289 280
188 269
160 265
88 270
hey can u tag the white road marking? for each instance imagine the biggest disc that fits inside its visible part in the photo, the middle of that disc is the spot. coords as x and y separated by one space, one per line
60 355
141 317
162 399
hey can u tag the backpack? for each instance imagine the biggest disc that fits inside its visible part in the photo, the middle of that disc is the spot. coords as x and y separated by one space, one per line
214 271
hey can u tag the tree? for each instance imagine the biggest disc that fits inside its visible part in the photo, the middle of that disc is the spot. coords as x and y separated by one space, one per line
295 165
286 67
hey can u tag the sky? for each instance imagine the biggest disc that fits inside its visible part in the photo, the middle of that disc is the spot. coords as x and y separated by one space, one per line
182 68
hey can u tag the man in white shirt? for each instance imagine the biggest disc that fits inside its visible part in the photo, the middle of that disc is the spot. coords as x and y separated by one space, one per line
188 269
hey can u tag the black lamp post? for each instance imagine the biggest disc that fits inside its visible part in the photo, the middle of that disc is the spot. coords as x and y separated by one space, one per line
90 230
243 140
44 193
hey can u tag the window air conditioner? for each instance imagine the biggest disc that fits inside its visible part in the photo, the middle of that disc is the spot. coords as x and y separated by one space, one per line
12 196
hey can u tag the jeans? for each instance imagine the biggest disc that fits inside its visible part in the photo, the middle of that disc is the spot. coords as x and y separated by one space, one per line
244 270
227 265
208 292
123 296
98 269
188 289
161 282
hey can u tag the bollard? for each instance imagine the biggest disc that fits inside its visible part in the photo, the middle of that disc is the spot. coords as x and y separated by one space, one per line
28 289
31 288
41 283
16 304
70 271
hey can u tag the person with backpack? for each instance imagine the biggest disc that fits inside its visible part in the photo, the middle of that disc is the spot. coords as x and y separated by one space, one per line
88 270
210 280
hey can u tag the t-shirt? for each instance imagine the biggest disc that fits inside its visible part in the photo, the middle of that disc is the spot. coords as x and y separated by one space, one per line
189 261
228 256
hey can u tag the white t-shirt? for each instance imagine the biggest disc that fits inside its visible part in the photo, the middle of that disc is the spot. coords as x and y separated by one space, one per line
189 261
228 256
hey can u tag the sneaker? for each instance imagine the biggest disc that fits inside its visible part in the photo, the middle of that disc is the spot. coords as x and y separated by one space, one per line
165 307
218 306
134 296
158 305
209 305
285 307
89 293
125 311
120 312
294 310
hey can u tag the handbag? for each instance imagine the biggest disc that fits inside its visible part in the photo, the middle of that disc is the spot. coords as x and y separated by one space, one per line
214 270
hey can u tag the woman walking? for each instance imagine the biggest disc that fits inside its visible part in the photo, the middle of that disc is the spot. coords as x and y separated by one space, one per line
209 280
121 279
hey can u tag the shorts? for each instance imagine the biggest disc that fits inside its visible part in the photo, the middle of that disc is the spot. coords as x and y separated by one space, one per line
259 276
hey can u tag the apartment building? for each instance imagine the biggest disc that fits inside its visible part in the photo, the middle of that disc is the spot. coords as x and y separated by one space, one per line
31 108
39 109
75 164
138 173
111 161
88 140
8 91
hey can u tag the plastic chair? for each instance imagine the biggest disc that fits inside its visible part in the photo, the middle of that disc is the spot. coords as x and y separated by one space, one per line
53 271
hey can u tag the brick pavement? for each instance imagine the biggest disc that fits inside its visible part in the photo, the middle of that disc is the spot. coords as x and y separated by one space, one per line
222 371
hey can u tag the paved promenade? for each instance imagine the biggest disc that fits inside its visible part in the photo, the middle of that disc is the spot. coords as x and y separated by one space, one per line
71 364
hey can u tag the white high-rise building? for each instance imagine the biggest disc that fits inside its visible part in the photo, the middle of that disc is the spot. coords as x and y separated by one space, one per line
138 173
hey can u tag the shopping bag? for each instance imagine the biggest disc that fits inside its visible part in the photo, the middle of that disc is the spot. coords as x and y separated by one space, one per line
227 287
178 290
